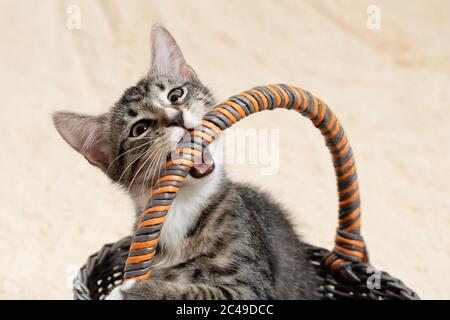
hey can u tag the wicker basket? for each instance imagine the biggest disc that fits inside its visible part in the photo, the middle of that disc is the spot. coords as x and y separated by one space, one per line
345 270
104 270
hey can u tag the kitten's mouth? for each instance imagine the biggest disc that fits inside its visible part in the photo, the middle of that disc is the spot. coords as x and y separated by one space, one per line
203 167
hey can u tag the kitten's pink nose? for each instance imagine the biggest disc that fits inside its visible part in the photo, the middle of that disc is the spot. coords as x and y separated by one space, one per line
174 118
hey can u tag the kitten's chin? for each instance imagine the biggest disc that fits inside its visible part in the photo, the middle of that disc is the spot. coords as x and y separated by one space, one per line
206 182
202 167
175 135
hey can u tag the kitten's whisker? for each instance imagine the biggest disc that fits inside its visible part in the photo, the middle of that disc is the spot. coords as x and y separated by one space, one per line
137 158
140 168
160 160
149 137
149 171
124 153
149 154
149 167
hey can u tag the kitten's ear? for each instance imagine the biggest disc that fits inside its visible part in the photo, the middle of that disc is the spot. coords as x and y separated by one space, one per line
89 135
167 56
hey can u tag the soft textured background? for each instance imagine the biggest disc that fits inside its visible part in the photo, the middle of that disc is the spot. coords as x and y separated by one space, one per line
390 88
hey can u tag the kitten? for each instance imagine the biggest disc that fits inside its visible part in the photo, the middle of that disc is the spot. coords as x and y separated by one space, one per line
221 239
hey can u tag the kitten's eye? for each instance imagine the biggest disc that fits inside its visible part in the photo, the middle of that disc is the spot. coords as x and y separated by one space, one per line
141 127
175 95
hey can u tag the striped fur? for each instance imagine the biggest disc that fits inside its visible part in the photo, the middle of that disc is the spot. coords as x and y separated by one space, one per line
241 247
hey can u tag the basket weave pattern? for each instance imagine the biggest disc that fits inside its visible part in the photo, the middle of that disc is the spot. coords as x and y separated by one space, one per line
104 270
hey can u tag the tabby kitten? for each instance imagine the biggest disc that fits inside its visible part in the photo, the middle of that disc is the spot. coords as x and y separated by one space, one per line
221 239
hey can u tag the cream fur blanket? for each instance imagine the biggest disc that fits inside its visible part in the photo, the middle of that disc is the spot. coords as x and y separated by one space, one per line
389 87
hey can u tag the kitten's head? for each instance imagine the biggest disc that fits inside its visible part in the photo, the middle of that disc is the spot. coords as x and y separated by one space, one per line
131 142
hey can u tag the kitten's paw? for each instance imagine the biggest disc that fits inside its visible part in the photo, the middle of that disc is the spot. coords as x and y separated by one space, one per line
117 292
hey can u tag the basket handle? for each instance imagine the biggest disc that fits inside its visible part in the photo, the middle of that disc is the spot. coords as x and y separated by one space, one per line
349 245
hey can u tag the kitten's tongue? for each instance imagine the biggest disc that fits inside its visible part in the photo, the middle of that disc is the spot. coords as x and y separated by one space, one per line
203 168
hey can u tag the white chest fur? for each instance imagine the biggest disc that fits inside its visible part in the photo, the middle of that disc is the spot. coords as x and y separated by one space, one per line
187 207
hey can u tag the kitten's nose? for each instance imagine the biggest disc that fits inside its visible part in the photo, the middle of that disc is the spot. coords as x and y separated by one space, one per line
175 118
